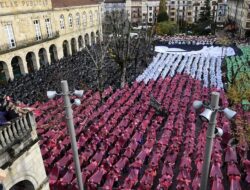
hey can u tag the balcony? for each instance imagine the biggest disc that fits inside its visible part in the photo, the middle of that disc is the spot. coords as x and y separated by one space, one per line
196 4
29 42
214 3
16 138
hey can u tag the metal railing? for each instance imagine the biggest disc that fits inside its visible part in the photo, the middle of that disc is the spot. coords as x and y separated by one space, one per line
29 42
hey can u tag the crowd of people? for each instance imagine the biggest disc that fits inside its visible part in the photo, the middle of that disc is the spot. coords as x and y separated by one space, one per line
78 70
10 110
204 68
187 39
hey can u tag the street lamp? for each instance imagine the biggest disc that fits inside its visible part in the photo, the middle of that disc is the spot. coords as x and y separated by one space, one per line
209 114
69 117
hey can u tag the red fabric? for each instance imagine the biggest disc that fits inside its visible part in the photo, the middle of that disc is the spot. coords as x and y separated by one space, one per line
234 183
216 171
230 155
196 183
217 184
96 178
232 170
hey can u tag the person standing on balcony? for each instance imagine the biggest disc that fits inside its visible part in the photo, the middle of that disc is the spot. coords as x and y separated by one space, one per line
10 109
3 119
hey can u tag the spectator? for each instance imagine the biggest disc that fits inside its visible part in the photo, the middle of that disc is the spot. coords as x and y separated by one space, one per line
3 119
9 110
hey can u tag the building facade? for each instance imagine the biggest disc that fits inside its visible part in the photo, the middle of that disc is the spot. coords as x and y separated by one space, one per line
113 5
180 10
221 16
188 10
138 11
143 11
239 13
39 32
21 162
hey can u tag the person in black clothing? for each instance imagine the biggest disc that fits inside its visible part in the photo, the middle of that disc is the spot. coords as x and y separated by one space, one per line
9 110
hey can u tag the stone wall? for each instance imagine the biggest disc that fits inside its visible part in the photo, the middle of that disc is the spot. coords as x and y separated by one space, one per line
20 155
24 6
25 35
28 167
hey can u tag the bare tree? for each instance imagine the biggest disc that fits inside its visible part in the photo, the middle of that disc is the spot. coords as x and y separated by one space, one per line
98 52
126 47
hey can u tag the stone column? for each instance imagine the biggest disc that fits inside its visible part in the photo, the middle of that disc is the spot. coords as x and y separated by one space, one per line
48 57
8 71
77 45
23 67
37 63
90 39
60 52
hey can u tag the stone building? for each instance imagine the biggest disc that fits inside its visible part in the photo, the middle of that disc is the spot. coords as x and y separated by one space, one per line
113 5
221 17
188 10
39 32
239 14
143 11
180 11
21 163
138 11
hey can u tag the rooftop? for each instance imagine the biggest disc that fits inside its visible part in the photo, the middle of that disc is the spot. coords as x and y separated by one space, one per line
115 1
72 3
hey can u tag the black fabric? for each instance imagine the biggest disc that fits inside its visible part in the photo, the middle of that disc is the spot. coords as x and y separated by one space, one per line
78 70
11 114
196 47
237 50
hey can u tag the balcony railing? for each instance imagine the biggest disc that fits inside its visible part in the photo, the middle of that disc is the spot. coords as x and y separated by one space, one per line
29 42
16 136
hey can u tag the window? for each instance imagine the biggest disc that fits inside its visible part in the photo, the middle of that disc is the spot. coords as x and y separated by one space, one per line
62 25
172 14
48 27
248 15
97 17
150 8
78 19
70 20
150 14
248 24
84 19
91 18
37 30
11 38
172 19
189 13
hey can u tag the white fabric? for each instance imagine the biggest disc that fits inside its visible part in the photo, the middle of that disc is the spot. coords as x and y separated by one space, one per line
199 66
206 51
